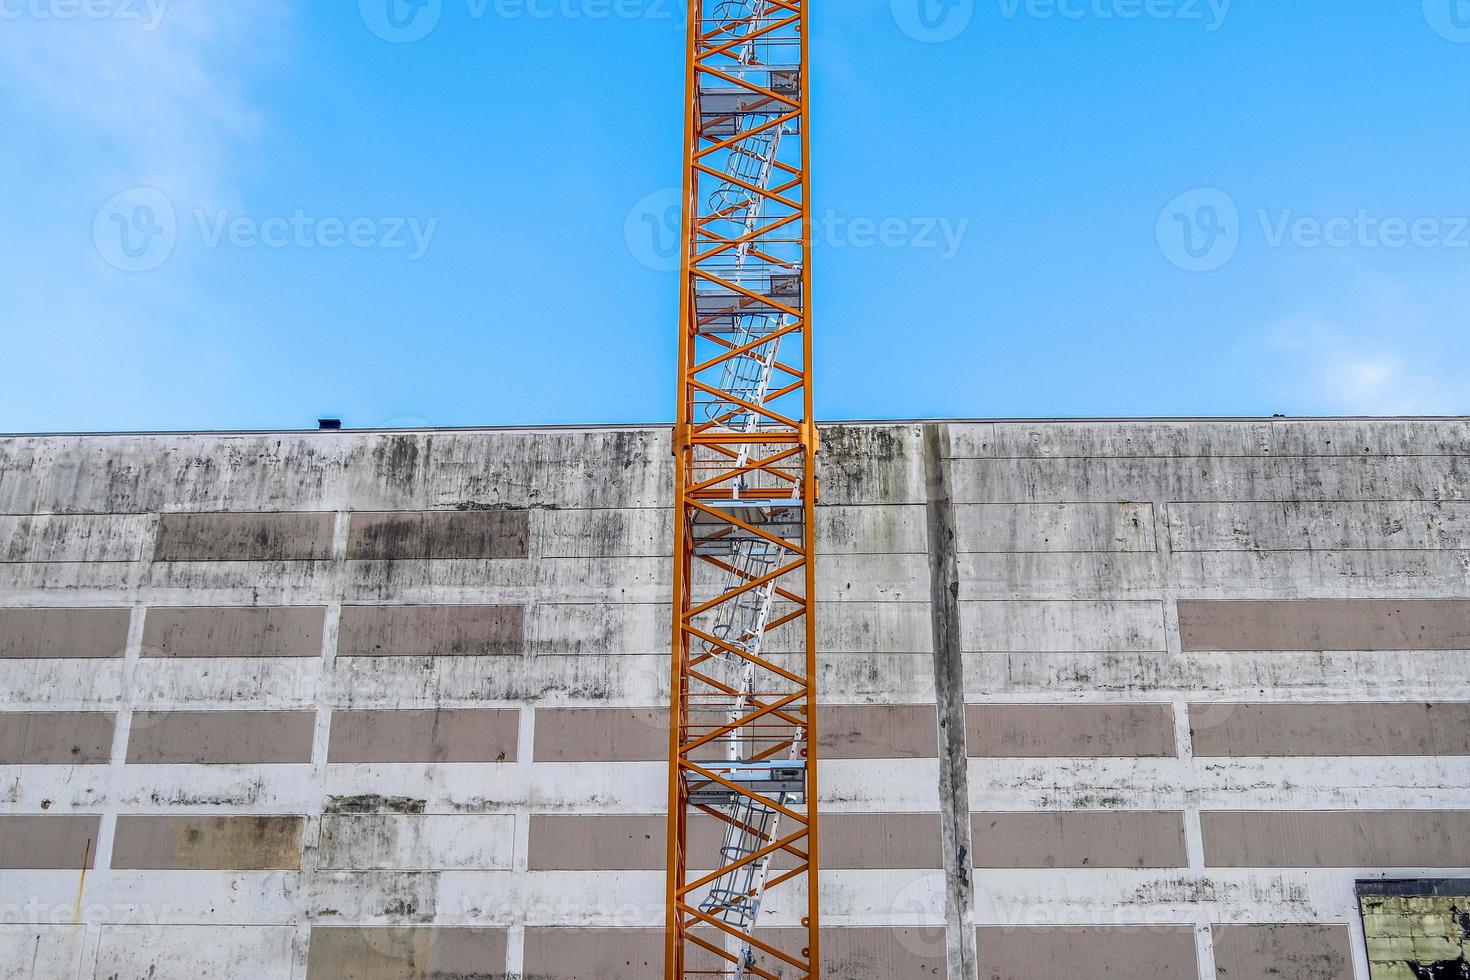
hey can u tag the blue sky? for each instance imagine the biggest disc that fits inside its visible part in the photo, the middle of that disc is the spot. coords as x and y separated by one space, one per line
249 214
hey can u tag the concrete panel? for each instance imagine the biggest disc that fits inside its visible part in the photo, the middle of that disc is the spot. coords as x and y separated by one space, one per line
860 464
61 685
863 954
1060 527
1224 478
185 952
609 629
1272 951
244 843
47 634
1079 839
608 842
406 953
880 840
581 954
252 683
1122 952
439 535
439 735
241 631
417 842
244 537
1383 729
1249 574
1325 624
72 537
1043 731
562 953
887 731
645 532
1153 438
1077 627
1331 839
55 739
46 842
602 734
1407 525
648 532
1297 676
221 737
40 952
432 631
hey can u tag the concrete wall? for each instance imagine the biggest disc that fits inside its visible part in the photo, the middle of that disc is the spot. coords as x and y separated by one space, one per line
1102 699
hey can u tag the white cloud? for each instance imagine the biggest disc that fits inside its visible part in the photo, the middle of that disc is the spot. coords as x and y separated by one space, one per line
156 94
1347 374
93 106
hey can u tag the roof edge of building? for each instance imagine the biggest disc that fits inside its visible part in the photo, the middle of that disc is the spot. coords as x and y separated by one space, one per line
644 426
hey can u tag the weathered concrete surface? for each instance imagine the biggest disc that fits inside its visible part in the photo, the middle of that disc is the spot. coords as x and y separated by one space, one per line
1417 929
1141 705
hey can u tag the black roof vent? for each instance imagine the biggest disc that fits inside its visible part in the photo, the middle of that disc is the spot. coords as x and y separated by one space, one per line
329 425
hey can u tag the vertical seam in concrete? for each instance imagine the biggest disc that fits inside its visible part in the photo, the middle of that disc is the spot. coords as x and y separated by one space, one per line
515 951
1358 941
321 745
1184 738
1204 945
122 729
949 696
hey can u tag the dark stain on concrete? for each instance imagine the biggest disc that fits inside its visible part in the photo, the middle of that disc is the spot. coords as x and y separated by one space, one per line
373 803
1444 970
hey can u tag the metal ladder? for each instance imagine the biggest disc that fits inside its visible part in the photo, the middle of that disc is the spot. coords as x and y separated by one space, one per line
751 161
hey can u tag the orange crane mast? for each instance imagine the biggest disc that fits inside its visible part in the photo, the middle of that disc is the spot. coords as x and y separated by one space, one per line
743 726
